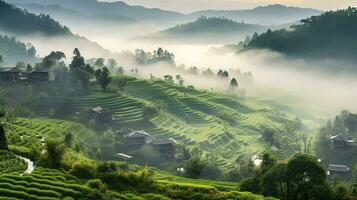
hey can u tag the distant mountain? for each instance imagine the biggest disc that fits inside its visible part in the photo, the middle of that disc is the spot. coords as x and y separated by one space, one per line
42 31
209 29
13 19
112 10
331 35
264 15
66 15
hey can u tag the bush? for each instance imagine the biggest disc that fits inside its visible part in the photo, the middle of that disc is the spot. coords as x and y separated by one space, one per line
251 185
97 184
107 166
83 170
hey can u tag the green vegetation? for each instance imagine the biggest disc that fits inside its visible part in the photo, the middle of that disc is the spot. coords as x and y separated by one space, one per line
27 22
9 162
204 28
330 35
13 51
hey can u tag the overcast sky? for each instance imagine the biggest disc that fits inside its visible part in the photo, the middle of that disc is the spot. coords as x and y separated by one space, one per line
193 5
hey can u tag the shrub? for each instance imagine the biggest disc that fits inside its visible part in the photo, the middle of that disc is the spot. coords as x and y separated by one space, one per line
97 184
83 170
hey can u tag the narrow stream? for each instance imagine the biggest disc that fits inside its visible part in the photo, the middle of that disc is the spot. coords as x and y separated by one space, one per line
30 165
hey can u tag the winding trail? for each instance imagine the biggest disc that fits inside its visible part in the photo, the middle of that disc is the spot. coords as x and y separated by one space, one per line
30 165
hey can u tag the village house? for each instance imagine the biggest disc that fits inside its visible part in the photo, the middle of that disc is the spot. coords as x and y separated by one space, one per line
341 142
137 138
9 74
341 171
133 139
166 146
101 115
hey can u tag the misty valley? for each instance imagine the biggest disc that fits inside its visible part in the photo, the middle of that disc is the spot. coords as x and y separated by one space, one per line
114 100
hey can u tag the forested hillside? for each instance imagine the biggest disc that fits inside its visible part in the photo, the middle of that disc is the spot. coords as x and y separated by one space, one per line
264 15
13 51
328 36
205 28
13 19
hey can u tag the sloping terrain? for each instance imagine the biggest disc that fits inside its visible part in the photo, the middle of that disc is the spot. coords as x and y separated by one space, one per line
214 122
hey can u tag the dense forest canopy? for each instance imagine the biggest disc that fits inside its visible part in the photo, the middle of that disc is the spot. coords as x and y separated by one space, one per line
331 35
213 24
13 51
27 22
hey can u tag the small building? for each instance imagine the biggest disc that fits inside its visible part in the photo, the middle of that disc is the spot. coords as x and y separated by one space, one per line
101 115
341 142
340 171
137 138
166 146
123 156
124 131
9 74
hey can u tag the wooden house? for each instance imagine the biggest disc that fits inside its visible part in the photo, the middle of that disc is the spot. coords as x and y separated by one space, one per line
166 146
341 142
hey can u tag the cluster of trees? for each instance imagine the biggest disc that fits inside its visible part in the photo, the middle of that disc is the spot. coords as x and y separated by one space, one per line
301 178
330 35
27 22
12 51
160 55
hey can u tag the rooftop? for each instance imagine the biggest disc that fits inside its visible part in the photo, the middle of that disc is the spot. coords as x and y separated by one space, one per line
124 131
163 141
138 134
338 168
123 155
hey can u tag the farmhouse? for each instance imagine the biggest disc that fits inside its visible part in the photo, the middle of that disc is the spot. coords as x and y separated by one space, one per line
341 142
124 131
10 74
166 147
341 171
137 138
101 115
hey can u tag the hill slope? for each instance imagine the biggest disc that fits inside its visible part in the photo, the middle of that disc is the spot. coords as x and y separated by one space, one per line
328 36
205 29
213 122
264 15
109 9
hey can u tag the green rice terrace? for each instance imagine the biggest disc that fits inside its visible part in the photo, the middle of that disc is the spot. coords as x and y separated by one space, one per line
228 126
54 184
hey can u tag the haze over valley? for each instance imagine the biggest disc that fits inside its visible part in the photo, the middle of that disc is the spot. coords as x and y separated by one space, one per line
138 100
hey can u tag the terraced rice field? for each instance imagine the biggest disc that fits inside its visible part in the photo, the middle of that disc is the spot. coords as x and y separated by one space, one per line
9 162
215 122
42 184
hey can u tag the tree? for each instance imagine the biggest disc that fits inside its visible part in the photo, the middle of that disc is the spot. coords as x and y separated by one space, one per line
112 63
80 70
234 84
121 83
294 180
225 74
268 162
51 60
99 62
194 167
55 151
103 77
3 140
68 138
20 65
